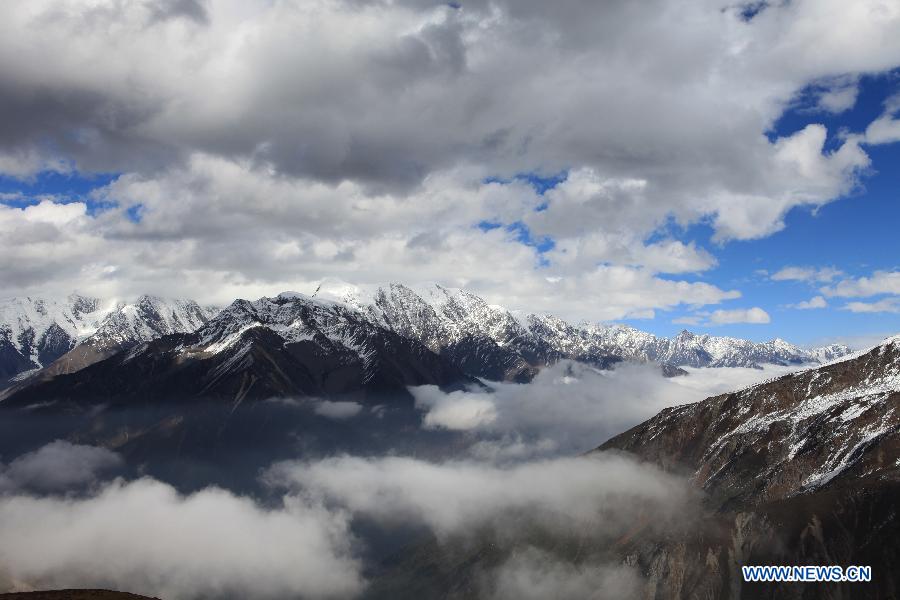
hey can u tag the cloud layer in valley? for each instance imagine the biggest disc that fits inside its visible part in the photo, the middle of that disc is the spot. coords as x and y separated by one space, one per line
143 535
570 407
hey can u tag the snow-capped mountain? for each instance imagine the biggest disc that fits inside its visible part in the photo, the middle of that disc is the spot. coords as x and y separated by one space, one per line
482 339
693 350
457 322
36 331
286 346
75 331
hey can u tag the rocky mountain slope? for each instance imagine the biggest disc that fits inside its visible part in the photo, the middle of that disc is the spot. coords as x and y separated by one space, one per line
803 469
290 345
79 330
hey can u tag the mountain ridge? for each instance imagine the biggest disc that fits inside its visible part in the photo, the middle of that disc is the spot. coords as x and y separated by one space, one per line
485 340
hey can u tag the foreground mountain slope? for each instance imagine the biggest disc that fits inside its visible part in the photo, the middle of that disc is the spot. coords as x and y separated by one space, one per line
286 346
804 469
789 436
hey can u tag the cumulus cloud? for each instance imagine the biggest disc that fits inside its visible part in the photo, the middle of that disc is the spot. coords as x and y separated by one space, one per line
57 466
886 128
812 274
813 303
885 305
144 536
382 165
880 282
739 315
839 95
313 231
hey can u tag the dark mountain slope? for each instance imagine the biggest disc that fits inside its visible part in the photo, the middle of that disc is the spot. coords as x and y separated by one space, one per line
281 347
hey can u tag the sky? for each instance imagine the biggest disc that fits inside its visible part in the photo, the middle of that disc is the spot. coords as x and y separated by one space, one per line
720 166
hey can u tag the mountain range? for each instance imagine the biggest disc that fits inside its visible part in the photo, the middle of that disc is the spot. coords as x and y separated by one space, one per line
317 337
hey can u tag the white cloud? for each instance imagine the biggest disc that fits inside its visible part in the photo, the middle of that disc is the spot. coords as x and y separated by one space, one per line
839 95
457 410
337 410
706 382
739 315
57 466
568 408
812 303
143 535
374 168
314 231
886 128
460 497
817 274
885 305
880 282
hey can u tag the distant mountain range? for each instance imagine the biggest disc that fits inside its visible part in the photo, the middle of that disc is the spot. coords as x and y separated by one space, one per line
340 340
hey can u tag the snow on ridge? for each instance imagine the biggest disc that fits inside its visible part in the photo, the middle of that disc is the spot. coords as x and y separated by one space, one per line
41 329
436 314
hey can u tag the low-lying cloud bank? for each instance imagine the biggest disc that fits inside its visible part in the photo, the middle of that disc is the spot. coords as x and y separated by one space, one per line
57 466
570 407
145 537
603 492
64 522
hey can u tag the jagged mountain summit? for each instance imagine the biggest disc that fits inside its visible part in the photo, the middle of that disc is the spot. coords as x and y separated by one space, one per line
459 323
806 466
286 346
79 330
482 339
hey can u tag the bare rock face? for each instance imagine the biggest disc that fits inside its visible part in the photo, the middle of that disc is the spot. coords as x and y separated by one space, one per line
804 469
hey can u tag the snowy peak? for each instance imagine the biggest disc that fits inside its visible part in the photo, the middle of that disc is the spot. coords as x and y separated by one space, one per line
442 318
148 318
36 332
484 339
